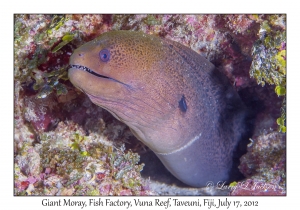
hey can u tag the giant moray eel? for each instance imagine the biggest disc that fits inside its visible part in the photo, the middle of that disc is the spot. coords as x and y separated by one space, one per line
173 100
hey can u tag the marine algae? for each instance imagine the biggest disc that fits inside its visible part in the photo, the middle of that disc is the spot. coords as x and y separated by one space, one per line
269 59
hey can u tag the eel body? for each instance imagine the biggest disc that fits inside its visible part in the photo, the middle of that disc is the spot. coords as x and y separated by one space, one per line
174 100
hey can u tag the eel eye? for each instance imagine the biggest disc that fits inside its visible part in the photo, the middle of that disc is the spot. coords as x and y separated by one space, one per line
104 55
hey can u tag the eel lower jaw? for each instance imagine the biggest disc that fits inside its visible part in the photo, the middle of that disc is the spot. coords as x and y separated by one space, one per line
90 71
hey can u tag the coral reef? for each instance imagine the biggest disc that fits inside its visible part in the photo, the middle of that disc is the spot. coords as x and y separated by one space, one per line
65 145
265 164
67 162
269 58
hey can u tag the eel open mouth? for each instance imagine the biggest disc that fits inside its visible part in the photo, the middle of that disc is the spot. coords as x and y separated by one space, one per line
84 68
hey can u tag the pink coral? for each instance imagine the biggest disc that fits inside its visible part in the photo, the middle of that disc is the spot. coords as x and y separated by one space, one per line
266 158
